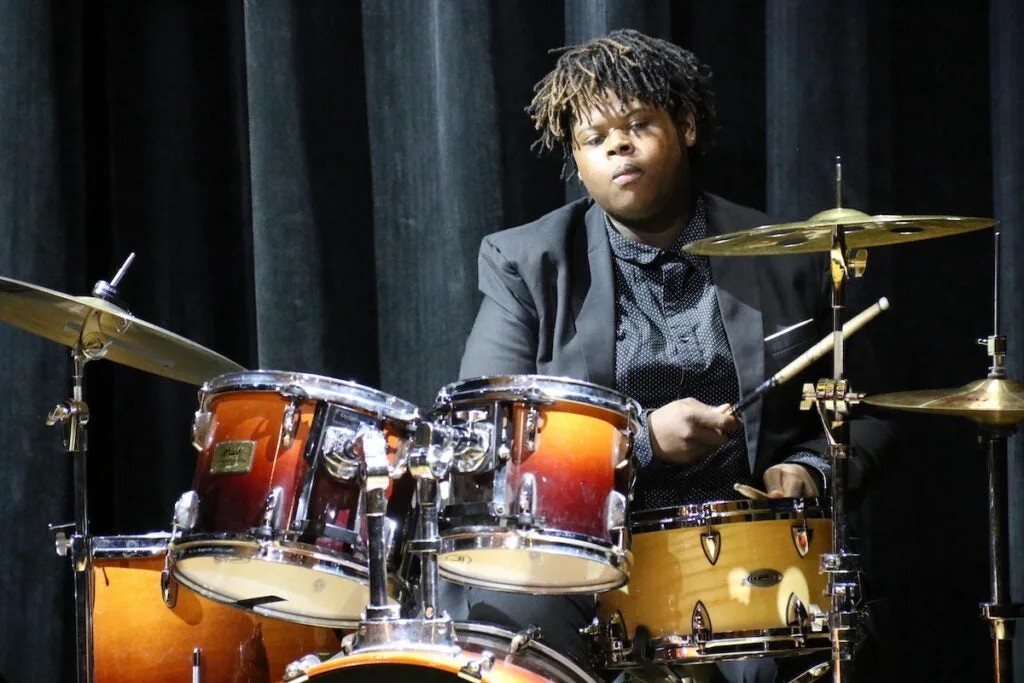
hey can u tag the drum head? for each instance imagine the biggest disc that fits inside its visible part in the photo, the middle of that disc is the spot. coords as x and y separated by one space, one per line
538 570
291 582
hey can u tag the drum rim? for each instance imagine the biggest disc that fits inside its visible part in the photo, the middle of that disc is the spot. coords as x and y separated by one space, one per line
565 543
317 387
277 552
129 546
727 512
469 636
520 387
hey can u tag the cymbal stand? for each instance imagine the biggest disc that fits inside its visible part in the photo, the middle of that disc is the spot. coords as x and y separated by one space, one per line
73 413
1000 612
832 398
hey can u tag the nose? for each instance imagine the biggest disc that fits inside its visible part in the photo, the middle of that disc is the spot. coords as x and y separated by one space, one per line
619 144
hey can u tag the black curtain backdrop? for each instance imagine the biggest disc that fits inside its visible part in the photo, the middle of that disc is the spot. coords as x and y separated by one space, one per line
306 183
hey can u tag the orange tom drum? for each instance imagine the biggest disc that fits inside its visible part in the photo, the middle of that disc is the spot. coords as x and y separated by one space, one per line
137 637
545 511
276 522
720 580
482 653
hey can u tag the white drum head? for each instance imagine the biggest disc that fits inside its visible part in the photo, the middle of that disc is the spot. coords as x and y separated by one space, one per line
276 589
534 570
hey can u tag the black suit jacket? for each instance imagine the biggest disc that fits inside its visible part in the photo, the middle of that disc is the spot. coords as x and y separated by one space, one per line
549 308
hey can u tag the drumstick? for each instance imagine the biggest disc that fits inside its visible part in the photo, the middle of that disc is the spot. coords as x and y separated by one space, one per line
810 355
750 491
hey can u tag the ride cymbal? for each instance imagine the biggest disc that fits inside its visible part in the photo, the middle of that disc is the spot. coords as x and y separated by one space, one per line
814 235
993 402
107 331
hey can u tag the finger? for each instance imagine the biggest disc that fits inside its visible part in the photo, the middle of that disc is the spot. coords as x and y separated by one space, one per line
711 418
792 485
773 482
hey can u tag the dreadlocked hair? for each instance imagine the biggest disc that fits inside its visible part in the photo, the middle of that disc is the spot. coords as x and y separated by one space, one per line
631 65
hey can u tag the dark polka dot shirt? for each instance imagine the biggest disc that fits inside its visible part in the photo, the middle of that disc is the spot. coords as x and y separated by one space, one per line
671 344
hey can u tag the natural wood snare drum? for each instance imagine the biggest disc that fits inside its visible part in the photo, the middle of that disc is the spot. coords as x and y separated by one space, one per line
482 653
545 511
139 637
720 580
276 521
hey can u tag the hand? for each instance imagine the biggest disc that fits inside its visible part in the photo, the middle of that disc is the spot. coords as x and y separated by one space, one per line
789 480
687 430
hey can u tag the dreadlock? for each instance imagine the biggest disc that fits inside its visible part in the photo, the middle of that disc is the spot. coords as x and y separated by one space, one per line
631 65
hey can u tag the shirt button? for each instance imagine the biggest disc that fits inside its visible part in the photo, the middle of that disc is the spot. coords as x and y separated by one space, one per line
620 334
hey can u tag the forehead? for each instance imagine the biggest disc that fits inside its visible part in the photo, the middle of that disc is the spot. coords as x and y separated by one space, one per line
605 106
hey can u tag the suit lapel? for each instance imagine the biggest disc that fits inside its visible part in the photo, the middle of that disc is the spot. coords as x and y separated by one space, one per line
593 299
739 300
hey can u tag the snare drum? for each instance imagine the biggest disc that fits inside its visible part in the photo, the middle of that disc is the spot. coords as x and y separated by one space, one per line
483 653
545 511
721 580
276 522
137 637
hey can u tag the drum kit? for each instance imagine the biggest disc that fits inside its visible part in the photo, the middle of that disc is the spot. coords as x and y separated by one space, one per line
323 514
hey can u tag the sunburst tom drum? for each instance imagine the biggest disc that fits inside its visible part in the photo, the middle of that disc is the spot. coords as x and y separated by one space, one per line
544 510
276 522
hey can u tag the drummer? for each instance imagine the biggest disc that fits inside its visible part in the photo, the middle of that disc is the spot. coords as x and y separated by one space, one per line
601 290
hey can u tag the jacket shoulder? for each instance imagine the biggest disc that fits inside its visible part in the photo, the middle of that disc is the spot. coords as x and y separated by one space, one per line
548 235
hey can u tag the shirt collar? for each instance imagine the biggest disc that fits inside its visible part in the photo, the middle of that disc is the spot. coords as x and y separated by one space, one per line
637 252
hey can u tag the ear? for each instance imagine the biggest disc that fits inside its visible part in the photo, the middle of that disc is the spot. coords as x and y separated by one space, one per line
687 128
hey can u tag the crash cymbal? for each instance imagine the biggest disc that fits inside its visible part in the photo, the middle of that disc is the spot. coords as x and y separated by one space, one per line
861 230
994 402
109 332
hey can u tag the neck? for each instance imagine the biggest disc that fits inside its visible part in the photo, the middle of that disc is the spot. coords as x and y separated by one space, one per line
659 231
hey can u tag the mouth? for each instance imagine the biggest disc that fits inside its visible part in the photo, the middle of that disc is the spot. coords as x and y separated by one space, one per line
626 174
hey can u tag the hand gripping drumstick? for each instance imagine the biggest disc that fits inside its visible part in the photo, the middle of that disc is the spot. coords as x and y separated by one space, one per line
810 355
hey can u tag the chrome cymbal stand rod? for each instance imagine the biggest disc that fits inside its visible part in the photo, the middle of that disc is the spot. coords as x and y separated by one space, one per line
74 415
833 398
1000 611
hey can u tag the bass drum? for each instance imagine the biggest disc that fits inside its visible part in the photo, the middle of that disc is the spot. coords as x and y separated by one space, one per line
138 637
483 653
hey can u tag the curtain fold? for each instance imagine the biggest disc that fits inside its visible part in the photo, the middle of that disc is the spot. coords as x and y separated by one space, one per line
34 373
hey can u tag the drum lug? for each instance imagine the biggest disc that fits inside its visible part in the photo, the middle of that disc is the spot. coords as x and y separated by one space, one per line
290 422
531 428
700 623
168 586
201 423
802 536
615 511
267 523
475 669
796 615
523 638
186 511
296 671
711 544
527 499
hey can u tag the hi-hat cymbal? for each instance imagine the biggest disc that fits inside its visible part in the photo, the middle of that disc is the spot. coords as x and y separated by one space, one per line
993 402
862 230
109 332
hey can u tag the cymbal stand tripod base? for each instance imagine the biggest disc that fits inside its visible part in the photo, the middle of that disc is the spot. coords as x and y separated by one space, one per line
74 415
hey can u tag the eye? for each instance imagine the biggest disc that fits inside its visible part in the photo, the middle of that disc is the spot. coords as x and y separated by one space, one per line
639 124
594 140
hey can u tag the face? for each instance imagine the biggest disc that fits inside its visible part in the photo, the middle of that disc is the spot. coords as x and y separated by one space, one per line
632 158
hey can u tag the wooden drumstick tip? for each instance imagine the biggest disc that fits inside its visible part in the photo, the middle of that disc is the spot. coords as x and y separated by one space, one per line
750 492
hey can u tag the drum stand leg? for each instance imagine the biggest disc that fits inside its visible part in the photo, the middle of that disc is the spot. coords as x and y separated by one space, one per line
74 414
